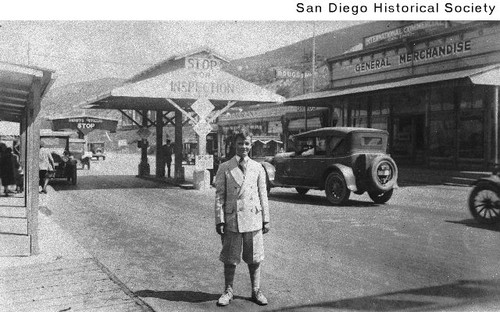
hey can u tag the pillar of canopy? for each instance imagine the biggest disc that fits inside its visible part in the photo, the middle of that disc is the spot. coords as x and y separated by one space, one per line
21 91
177 83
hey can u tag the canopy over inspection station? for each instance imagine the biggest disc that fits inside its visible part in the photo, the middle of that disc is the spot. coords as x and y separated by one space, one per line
193 85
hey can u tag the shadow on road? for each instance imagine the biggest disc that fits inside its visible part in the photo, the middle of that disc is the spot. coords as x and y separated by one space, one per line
313 200
180 295
473 223
448 296
108 182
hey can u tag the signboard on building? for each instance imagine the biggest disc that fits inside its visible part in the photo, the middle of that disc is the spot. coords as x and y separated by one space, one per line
143 133
200 63
412 30
276 111
203 162
285 73
202 128
84 124
203 108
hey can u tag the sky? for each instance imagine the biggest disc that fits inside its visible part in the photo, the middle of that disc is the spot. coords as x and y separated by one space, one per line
83 50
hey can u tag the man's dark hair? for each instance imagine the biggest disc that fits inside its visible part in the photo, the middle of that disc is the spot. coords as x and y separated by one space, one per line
168 141
243 134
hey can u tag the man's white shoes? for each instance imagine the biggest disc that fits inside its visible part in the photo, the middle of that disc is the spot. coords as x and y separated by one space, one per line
258 297
226 297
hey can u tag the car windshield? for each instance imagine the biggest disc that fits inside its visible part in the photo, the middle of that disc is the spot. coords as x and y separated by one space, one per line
53 143
74 146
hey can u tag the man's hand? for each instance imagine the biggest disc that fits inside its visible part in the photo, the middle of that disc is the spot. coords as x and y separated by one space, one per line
220 228
265 228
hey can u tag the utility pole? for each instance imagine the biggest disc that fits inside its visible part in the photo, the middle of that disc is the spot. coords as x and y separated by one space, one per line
313 70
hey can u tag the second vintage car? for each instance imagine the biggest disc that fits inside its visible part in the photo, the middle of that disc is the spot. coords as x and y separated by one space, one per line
58 143
339 160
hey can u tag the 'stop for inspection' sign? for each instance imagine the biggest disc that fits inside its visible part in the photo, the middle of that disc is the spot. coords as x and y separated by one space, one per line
203 64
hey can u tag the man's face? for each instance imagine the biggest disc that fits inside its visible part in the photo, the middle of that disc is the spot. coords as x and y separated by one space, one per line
243 146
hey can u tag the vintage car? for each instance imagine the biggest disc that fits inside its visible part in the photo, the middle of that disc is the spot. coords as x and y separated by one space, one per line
58 143
77 150
97 150
339 160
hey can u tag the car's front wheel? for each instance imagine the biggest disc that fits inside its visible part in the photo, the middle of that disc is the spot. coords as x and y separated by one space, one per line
484 203
302 190
381 197
336 189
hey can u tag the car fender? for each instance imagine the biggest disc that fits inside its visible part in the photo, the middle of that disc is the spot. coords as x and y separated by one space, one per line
348 174
270 172
493 179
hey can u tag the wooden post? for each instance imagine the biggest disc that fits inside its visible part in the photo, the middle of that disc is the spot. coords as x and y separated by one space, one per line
144 169
219 142
160 162
495 124
22 143
31 170
178 169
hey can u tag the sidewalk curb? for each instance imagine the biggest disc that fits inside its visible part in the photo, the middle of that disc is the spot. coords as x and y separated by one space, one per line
123 286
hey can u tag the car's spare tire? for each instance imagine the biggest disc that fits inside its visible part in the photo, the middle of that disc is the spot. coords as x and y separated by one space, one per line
383 173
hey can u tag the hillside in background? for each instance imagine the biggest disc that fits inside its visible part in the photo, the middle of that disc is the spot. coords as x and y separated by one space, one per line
259 69
61 101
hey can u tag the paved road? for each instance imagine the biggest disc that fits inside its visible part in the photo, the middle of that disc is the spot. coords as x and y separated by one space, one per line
422 251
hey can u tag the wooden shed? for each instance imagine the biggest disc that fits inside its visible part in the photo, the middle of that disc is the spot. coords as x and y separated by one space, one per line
21 90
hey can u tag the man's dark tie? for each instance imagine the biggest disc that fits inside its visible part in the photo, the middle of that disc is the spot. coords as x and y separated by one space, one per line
241 165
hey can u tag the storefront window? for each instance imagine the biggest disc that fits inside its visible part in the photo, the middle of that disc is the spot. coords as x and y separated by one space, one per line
442 99
359 113
466 98
442 136
380 112
471 138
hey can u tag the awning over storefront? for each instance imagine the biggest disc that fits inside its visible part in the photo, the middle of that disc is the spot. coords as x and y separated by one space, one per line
489 75
265 140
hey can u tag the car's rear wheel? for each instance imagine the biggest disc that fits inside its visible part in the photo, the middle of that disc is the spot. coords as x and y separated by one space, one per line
302 190
336 189
381 197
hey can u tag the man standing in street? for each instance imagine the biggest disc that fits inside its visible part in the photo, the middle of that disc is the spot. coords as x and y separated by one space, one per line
241 216
167 151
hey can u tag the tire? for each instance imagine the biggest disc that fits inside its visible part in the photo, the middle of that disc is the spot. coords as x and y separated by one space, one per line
336 189
381 197
383 173
302 190
484 203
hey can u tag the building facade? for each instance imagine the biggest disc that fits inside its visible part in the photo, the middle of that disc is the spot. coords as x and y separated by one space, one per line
270 125
432 85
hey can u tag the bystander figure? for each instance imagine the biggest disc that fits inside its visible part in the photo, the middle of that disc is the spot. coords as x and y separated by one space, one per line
47 167
167 151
